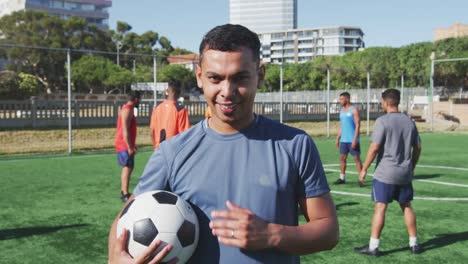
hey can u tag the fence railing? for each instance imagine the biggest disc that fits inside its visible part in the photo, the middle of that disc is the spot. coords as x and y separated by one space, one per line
48 114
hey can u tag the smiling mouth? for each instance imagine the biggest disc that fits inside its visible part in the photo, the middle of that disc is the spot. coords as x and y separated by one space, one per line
227 108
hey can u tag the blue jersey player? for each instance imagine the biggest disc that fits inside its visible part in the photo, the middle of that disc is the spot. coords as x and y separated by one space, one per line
347 139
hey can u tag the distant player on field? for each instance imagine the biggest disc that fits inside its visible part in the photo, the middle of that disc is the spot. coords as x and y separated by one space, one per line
125 138
347 139
169 118
396 143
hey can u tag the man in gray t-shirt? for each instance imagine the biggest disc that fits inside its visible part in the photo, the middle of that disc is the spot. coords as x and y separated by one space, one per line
397 145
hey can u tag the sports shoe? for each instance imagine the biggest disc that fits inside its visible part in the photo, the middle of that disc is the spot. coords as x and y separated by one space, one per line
124 197
417 249
340 181
366 251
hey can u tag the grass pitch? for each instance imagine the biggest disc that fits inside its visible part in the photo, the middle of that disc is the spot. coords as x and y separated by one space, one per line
59 209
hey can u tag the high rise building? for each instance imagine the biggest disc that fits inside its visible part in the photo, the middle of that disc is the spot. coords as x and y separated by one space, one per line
264 15
302 45
94 11
458 30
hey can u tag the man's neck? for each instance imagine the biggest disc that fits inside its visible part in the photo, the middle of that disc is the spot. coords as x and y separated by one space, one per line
226 128
392 110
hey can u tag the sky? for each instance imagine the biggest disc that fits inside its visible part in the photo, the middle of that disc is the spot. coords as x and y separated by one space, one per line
392 23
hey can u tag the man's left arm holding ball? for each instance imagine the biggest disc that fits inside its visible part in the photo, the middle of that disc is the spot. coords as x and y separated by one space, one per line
117 247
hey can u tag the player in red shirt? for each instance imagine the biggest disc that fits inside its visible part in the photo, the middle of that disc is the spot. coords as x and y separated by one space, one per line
169 118
125 138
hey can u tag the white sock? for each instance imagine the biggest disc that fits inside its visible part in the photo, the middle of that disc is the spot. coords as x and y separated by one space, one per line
374 243
342 176
413 241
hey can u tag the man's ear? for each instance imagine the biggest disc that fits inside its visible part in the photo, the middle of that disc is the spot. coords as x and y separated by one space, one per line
261 75
198 74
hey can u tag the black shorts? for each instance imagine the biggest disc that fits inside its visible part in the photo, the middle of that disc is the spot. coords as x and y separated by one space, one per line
386 193
346 148
125 160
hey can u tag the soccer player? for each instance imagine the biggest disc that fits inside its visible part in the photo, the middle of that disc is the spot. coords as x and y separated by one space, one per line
169 118
125 138
347 139
243 173
397 145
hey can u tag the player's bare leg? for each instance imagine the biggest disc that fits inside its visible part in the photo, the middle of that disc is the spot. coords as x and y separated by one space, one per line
410 221
358 162
124 181
378 220
342 179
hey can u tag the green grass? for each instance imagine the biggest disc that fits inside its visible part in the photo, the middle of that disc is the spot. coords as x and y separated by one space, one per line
59 209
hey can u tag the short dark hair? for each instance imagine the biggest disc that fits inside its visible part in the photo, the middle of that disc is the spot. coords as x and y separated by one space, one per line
174 85
391 96
132 95
345 94
230 37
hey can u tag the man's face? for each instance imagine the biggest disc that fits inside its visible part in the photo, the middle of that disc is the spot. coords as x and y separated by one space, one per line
343 100
229 81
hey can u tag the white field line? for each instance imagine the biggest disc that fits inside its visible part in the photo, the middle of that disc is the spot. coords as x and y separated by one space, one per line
428 181
415 198
419 165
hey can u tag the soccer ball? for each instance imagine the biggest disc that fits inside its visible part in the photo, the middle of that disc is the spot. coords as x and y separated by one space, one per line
160 215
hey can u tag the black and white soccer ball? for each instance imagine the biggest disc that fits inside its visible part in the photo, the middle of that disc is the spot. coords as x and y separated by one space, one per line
160 215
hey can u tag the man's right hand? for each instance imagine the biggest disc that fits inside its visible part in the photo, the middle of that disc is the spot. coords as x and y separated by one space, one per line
337 143
119 254
132 151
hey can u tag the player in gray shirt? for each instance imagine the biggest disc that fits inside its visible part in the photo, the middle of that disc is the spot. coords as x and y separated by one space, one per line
397 145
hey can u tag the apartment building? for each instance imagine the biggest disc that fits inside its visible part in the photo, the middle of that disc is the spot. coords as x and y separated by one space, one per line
302 45
264 15
458 30
94 11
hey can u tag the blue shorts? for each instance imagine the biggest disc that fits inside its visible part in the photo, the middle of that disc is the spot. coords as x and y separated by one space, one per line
346 148
386 193
125 160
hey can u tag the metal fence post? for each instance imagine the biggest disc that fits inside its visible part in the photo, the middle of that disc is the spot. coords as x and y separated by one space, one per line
368 102
34 111
328 101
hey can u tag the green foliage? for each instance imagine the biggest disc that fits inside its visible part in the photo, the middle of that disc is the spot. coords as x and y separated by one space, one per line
9 84
28 84
177 72
33 28
98 74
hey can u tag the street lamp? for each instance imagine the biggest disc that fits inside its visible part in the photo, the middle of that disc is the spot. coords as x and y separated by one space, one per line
118 45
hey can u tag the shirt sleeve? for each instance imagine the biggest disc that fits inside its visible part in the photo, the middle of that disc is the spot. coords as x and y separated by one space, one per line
312 179
378 135
155 176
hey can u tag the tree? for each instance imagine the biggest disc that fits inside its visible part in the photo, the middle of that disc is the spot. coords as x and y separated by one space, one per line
33 28
177 72
97 74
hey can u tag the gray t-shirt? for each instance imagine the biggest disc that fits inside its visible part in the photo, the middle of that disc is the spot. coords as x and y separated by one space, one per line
266 168
396 134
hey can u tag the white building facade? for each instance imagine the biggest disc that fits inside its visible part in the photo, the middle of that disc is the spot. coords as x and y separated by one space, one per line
94 11
264 16
302 45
